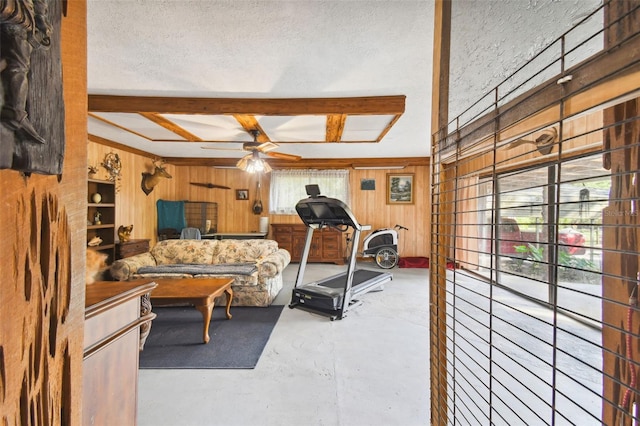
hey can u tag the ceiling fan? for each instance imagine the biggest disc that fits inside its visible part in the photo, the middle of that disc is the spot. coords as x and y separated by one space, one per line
252 162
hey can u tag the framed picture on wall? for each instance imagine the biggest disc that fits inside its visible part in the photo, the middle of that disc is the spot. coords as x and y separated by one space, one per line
367 184
242 194
400 188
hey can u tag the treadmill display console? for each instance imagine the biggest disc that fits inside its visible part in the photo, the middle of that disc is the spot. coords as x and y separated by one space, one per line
325 212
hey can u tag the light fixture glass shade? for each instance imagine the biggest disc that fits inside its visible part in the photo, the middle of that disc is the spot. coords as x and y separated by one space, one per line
257 164
254 166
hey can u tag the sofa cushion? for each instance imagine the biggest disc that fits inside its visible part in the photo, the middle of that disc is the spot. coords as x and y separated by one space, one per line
199 269
125 269
242 251
169 252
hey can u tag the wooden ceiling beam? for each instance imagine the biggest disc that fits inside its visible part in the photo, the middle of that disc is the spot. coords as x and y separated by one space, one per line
293 106
250 123
314 163
389 126
335 127
110 123
323 163
119 146
171 126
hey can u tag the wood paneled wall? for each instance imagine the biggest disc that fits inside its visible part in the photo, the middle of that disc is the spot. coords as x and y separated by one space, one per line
132 205
370 207
43 246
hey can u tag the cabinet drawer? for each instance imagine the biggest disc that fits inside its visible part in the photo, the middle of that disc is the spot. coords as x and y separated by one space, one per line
331 254
277 229
131 248
330 245
326 245
283 238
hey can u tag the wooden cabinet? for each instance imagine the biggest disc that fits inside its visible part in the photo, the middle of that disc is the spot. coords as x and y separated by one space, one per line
113 317
327 244
101 216
131 248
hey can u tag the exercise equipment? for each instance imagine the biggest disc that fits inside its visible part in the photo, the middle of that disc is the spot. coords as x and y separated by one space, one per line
335 295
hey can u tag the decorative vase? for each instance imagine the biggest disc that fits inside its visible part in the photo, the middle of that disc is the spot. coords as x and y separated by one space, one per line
96 197
264 224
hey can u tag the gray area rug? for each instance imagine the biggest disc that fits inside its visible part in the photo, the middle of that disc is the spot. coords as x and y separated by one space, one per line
175 340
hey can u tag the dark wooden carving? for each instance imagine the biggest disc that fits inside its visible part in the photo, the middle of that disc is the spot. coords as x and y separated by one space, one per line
145 309
19 149
35 388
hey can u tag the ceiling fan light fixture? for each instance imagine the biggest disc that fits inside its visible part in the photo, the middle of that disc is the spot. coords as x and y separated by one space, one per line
257 164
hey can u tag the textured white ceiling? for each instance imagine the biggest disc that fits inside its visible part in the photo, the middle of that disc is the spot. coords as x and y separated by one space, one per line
315 48
267 49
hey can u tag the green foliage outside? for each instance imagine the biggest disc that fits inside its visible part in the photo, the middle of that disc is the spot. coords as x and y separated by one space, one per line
570 266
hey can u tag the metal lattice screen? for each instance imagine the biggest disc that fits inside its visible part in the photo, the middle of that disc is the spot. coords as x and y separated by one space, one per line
535 230
201 215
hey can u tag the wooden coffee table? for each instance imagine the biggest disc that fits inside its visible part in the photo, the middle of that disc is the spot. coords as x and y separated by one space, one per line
200 292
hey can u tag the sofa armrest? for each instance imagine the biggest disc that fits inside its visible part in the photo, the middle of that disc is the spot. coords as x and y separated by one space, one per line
123 269
274 263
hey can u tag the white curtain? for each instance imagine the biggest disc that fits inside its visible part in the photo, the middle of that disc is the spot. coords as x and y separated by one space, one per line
288 187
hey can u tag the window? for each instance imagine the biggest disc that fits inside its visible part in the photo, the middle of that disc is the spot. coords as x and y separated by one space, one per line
536 321
288 187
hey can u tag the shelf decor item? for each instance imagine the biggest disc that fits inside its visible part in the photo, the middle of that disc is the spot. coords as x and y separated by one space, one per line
124 233
101 216
113 166
95 241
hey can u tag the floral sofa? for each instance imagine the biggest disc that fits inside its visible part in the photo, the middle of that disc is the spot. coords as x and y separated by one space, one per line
256 265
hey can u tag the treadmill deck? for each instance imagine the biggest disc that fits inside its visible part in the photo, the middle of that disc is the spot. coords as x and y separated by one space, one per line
327 294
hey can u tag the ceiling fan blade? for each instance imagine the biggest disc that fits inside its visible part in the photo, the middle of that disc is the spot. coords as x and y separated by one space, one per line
221 149
267 146
243 162
284 156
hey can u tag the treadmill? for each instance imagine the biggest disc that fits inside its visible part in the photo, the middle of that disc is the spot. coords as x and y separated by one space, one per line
335 295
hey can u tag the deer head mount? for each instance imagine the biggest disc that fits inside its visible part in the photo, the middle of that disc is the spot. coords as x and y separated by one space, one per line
150 180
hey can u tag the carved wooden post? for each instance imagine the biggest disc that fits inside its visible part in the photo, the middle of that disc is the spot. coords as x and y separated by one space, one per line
621 235
620 263
42 288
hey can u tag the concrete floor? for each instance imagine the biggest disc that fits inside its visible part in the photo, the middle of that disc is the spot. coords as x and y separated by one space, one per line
371 368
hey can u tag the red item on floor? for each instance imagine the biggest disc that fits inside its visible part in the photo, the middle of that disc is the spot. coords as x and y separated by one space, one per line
413 262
